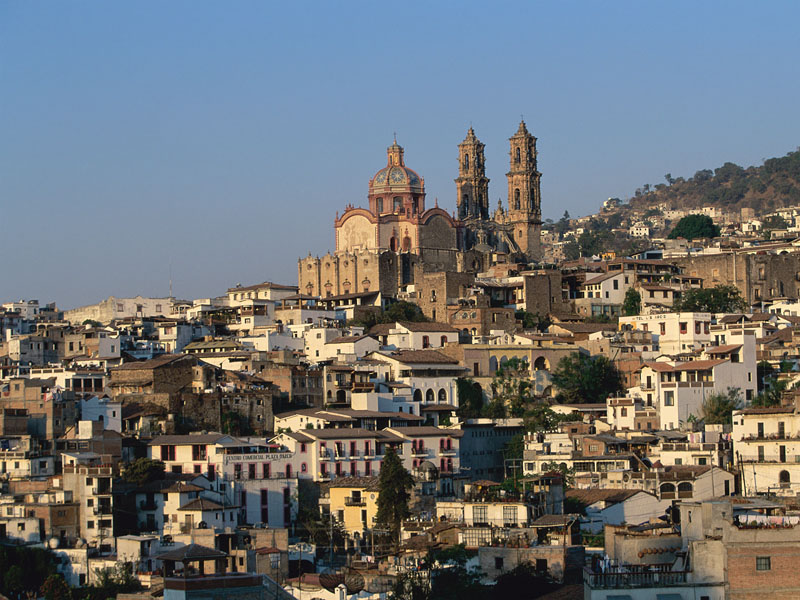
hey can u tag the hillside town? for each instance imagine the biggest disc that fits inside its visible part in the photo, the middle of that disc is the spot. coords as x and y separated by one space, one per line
478 398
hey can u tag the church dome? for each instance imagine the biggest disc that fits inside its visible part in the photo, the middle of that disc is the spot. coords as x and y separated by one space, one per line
395 176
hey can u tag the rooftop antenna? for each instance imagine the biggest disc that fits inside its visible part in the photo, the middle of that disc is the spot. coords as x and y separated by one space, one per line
170 279
395 137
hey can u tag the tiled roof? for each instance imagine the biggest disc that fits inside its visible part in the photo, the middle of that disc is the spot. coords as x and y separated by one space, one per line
590 496
370 484
153 363
723 349
192 552
423 357
177 440
201 504
691 365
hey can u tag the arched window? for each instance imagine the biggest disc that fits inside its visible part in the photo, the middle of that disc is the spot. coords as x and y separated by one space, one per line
540 364
397 203
330 394
417 395
304 467
518 156
341 396
516 199
449 465
684 489
493 364
393 244
443 396
443 341
667 491
784 479
379 205
466 162
465 203
406 244
288 471
429 396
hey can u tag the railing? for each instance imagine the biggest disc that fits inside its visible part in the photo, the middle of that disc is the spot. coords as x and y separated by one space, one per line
103 510
350 501
621 577
770 458
419 452
753 437
147 505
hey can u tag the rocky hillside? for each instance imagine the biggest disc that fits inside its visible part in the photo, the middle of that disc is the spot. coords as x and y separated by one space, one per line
773 185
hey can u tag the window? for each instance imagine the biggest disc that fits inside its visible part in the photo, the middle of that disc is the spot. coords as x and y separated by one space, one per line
763 563
509 515
683 327
426 342
480 515
669 398
616 284
663 328
498 563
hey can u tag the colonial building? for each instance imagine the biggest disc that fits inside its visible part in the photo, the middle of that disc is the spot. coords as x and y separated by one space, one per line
378 247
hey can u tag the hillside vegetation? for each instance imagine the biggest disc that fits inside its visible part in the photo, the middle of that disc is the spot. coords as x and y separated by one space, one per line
773 185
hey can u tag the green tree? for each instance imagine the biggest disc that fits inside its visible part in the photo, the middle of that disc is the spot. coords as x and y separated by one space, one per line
55 588
533 320
523 581
583 378
470 398
719 299
695 226
403 311
567 473
143 470
540 417
393 491
772 393
512 386
632 304
718 408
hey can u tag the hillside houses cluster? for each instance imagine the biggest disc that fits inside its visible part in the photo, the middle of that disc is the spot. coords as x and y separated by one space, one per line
266 406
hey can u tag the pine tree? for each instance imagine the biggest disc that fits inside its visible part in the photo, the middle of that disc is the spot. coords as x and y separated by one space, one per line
393 491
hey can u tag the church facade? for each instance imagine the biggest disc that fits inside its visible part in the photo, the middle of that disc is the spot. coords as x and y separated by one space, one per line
381 247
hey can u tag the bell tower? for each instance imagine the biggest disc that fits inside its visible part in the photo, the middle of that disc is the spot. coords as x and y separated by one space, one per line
524 196
472 185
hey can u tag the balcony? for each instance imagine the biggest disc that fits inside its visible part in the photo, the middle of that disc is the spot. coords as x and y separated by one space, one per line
147 505
419 452
448 451
103 510
633 577
770 458
351 501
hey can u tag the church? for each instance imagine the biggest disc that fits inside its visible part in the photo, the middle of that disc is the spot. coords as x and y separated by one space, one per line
382 246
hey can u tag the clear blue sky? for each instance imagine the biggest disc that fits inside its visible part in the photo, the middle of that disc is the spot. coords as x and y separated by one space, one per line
221 138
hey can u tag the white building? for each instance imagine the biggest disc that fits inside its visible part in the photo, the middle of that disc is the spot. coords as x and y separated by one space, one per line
677 332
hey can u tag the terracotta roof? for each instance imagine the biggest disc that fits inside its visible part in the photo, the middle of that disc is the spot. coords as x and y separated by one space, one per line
422 357
266 284
771 410
348 339
602 278
733 318
153 363
553 520
177 440
181 487
417 327
201 504
369 484
192 552
609 495
691 365
723 349
586 327
427 431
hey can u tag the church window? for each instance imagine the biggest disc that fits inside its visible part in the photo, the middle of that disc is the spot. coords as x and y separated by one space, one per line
379 205
406 244
518 155
393 244
466 162
398 203
516 199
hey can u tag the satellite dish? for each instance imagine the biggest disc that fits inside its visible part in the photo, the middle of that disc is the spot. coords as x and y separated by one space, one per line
353 581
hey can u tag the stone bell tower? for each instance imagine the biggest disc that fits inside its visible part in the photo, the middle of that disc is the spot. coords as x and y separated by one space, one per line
472 185
524 196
